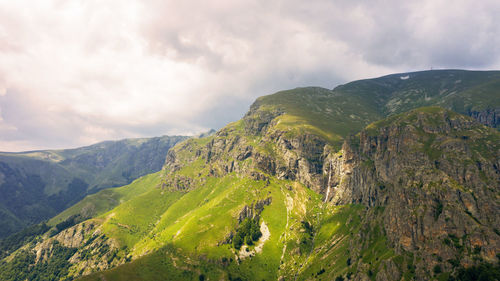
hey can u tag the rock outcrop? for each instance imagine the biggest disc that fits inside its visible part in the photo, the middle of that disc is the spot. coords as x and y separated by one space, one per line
253 211
93 250
488 117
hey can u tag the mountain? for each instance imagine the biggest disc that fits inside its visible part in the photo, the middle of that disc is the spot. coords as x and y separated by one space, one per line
393 178
37 185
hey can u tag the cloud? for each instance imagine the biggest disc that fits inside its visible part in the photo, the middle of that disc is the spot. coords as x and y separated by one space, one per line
76 72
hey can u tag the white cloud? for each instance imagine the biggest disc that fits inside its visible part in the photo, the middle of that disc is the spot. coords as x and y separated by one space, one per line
75 72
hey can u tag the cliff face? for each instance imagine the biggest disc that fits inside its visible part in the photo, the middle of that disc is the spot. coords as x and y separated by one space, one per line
436 174
488 117
93 250
255 147
427 180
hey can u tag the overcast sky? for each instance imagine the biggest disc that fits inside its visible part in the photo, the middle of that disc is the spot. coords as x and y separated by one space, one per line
73 73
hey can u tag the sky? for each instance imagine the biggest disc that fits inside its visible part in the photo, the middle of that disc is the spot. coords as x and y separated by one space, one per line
77 72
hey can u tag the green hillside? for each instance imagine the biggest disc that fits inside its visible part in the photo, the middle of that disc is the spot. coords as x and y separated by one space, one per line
104 200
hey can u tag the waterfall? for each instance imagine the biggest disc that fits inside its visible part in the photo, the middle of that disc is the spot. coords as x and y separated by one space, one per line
329 179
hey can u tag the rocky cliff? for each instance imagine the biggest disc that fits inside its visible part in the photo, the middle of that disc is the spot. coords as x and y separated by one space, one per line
488 117
436 175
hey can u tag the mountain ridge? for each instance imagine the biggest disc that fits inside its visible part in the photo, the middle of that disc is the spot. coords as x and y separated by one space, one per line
408 196
36 185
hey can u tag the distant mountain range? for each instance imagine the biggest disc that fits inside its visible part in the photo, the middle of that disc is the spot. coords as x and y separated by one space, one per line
37 185
392 178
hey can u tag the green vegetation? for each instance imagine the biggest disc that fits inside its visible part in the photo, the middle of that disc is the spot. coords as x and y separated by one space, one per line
331 252
326 113
347 109
15 241
480 272
181 261
168 263
22 267
103 201
247 232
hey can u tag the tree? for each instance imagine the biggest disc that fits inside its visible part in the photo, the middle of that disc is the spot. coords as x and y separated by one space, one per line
248 240
237 241
255 232
247 232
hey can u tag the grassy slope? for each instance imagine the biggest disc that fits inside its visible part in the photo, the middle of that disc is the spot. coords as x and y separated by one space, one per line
195 224
323 112
458 90
104 200
193 251
334 114
197 221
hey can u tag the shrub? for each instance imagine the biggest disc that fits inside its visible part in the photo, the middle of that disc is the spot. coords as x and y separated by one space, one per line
483 271
237 241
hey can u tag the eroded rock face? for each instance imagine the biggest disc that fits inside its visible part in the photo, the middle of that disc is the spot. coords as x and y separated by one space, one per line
253 211
439 192
294 157
389 271
302 158
437 188
488 117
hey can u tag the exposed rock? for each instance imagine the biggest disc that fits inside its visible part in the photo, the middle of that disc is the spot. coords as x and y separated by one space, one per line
253 211
389 271
257 119
427 204
488 117
95 252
